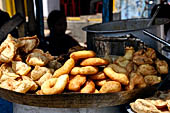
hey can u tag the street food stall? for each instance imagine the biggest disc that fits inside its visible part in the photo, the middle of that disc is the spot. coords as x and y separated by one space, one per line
120 65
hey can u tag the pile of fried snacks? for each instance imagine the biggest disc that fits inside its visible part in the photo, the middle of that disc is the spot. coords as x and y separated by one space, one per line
25 68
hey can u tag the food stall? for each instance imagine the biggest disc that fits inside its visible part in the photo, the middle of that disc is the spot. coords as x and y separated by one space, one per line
84 92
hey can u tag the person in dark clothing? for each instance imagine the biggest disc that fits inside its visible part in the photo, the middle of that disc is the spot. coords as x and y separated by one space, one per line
164 7
4 17
58 42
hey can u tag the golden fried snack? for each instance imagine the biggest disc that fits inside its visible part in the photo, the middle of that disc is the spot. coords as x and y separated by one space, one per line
75 71
88 70
96 91
24 86
101 82
161 66
139 60
27 44
7 72
150 53
136 80
55 85
129 53
146 69
98 76
76 82
82 54
38 57
17 57
34 85
44 78
117 68
158 103
139 52
152 79
7 84
39 92
120 77
94 62
8 49
65 69
89 87
131 67
38 72
143 106
20 67
121 61
110 87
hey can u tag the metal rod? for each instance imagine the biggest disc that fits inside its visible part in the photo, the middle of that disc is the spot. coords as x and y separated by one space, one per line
154 16
156 38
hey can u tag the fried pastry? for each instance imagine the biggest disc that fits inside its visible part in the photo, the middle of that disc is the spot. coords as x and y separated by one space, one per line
94 62
98 76
110 87
82 54
161 66
27 44
136 80
76 82
129 51
65 69
118 68
38 72
8 49
89 87
143 106
20 67
152 79
146 69
38 57
120 77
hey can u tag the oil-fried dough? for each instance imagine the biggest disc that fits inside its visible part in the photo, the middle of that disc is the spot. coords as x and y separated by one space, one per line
129 53
55 85
118 68
88 70
89 87
94 62
120 77
82 54
76 82
98 76
101 82
152 79
65 69
136 80
161 66
20 67
75 71
110 86
146 69
143 106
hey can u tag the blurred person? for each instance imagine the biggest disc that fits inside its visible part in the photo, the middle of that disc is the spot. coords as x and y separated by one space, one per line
58 42
93 6
5 106
4 17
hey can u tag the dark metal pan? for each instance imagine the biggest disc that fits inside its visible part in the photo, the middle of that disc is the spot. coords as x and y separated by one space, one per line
79 100
128 25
